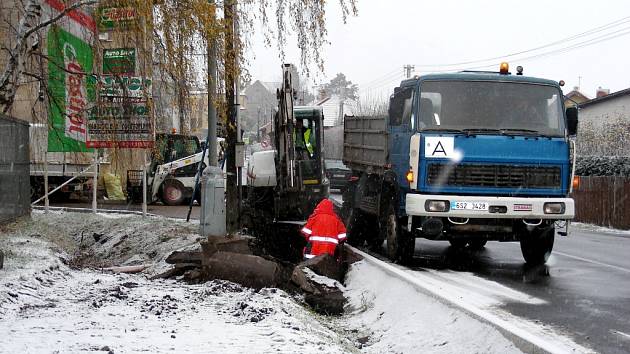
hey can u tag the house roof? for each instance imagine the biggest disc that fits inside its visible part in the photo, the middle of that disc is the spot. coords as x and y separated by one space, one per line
320 102
596 100
270 86
577 94
330 108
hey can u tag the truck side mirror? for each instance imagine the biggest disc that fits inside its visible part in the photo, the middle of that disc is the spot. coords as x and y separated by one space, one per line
390 105
572 120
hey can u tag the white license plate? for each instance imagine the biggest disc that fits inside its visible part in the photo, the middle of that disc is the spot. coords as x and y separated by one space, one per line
480 206
339 176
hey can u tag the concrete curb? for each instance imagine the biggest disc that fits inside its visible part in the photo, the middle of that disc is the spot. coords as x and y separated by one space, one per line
526 341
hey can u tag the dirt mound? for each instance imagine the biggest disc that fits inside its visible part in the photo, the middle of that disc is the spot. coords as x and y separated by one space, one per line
100 241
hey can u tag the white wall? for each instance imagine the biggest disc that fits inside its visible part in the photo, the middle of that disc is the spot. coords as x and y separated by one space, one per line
606 111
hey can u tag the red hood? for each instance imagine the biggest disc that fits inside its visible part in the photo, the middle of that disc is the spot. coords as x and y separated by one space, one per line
324 207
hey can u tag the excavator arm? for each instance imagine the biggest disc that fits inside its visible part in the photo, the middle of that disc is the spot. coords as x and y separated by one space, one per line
285 167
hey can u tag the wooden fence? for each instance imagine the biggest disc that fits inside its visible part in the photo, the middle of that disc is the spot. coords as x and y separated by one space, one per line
603 201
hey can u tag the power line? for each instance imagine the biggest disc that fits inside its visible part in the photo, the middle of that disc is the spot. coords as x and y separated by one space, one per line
389 73
567 39
383 82
592 41
389 83
393 75
377 83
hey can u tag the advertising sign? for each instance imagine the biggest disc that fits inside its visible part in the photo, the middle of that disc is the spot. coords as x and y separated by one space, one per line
119 61
121 124
124 86
115 17
70 94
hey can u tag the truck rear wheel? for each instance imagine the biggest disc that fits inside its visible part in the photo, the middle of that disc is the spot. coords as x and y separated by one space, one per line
356 227
536 245
400 243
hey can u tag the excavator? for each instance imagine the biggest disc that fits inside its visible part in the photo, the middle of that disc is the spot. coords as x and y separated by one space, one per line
285 184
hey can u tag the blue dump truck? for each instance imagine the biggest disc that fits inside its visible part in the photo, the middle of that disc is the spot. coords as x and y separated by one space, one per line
467 158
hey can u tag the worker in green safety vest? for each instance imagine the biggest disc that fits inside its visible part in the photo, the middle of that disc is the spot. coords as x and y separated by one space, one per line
305 139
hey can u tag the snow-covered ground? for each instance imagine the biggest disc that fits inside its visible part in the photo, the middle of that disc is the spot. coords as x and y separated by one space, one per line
578 226
391 316
54 297
45 306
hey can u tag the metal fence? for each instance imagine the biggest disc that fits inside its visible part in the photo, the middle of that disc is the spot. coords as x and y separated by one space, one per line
15 186
603 201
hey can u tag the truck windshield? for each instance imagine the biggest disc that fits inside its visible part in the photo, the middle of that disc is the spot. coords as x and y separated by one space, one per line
491 107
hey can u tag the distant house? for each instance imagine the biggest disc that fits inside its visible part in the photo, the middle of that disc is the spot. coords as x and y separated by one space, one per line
259 104
606 108
573 97
334 109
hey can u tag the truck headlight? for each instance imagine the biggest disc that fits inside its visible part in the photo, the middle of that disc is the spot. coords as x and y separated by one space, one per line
554 208
436 205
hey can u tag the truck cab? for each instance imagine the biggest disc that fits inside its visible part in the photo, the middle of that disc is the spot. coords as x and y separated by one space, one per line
471 157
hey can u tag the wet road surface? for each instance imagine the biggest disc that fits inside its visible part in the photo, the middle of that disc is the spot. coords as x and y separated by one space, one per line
585 284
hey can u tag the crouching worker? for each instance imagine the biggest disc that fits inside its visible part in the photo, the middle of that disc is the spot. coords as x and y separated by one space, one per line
324 232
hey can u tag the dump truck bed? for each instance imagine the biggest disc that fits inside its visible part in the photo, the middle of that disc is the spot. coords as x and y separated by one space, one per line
365 146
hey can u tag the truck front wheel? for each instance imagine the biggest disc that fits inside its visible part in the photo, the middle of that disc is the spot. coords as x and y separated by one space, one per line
400 243
536 245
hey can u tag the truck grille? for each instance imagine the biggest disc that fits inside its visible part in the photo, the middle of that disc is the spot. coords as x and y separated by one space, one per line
486 175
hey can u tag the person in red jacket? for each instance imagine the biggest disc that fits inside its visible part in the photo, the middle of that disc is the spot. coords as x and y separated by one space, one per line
324 231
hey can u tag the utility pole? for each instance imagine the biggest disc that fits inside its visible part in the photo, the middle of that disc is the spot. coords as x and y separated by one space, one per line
181 83
212 88
408 69
229 7
258 126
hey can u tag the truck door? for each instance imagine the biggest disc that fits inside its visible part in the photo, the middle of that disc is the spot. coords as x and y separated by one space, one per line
401 127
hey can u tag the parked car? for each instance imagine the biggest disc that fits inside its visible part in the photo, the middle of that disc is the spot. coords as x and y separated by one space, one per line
337 173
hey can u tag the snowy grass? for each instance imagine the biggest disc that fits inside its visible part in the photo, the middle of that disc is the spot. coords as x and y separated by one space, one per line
45 306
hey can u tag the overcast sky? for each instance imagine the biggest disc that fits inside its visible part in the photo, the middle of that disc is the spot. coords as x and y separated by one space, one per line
372 48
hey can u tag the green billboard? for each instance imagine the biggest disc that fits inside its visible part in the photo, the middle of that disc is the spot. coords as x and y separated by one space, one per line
70 62
119 61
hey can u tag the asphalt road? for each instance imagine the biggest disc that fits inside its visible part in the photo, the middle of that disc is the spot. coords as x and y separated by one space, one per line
586 283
